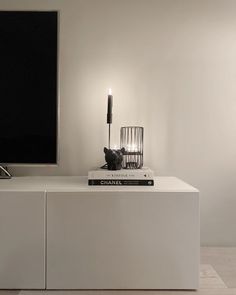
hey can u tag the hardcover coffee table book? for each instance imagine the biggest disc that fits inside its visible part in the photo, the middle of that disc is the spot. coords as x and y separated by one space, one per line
144 176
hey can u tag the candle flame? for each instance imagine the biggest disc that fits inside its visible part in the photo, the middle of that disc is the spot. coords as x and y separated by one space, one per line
109 91
132 148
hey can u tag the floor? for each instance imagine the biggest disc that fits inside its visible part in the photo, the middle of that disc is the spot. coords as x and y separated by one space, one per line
217 277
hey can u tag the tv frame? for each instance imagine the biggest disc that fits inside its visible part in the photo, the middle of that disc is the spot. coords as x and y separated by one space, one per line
5 165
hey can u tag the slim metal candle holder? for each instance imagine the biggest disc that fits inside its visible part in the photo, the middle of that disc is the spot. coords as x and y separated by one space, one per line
109 136
109 116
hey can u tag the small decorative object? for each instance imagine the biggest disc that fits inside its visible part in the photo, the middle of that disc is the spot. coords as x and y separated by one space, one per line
131 139
109 115
114 158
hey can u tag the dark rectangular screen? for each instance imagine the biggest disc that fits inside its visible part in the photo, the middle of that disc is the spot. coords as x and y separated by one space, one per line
28 87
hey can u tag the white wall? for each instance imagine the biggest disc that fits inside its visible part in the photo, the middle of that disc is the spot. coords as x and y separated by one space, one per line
172 67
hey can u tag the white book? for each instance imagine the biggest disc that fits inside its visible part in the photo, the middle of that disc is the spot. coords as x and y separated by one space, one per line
143 173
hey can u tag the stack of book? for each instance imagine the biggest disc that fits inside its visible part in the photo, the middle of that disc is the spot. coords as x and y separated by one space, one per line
142 176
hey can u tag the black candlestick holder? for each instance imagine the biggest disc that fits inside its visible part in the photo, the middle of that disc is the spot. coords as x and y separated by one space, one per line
131 139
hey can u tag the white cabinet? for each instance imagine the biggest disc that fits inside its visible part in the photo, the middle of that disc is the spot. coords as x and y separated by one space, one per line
123 239
60 233
22 240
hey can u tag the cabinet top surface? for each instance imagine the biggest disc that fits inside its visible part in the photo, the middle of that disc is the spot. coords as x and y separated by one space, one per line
80 183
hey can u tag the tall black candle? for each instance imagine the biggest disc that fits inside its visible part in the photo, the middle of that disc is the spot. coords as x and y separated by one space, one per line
109 107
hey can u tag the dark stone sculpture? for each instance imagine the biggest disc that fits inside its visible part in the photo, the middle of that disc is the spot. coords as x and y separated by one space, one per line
114 158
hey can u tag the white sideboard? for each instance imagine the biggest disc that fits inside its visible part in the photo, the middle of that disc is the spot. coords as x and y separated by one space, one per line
22 239
60 233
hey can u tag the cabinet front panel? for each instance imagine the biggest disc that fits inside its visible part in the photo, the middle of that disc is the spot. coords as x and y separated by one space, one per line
22 240
107 240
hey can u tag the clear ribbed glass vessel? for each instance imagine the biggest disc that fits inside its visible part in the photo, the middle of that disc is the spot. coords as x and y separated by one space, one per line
131 138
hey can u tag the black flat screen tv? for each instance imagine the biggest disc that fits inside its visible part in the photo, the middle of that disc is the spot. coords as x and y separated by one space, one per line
28 87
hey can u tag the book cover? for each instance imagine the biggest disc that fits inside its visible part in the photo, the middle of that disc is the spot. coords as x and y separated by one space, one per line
144 173
119 182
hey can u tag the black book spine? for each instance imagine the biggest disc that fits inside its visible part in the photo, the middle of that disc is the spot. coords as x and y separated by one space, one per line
117 182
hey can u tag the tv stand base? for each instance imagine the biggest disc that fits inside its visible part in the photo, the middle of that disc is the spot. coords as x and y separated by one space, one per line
4 174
